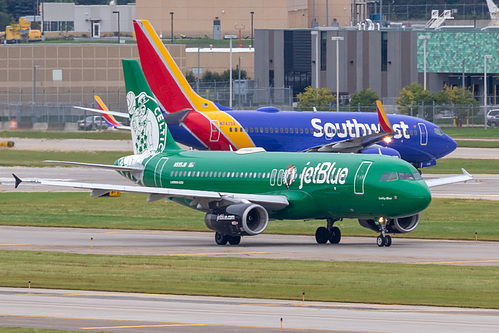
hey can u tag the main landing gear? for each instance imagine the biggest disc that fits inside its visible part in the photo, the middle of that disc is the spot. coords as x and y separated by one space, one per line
222 239
329 233
383 240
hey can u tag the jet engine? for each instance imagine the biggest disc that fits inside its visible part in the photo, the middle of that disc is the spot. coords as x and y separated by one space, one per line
238 219
400 225
380 150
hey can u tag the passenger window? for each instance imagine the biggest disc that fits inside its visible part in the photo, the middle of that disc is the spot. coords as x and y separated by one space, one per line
392 176
251 129
291 131
384 177
301 130
230 129
271 130
266 130
235 129
306 130
286 129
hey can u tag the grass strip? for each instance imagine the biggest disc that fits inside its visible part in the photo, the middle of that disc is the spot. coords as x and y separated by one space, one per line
61 135
256 278
454 165
444 219
28 158
471 132
477 144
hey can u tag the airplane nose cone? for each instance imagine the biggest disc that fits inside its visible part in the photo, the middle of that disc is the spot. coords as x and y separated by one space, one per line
421 198
451 144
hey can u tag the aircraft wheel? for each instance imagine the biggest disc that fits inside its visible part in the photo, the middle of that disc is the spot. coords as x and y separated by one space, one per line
388 240
321 235
335 235
234 240
220 238
380 241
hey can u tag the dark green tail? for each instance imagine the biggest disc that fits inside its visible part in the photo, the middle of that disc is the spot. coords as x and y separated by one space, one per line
149 130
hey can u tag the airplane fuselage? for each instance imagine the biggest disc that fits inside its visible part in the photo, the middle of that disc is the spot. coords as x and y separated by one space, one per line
317 185
417 141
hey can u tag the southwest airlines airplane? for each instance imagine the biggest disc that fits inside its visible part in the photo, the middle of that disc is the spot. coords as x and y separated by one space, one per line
204 124
241 190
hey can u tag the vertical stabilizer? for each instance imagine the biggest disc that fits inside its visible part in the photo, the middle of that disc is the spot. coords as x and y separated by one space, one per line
149 131
165 78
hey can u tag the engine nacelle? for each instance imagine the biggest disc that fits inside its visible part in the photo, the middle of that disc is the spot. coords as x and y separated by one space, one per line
400 225
380 150
238 219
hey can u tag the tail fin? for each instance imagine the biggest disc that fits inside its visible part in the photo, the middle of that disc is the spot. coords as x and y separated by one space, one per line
110 120
165 78
383 119
149 131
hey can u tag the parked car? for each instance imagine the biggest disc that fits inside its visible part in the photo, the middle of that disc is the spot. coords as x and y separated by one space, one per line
92 123
493 118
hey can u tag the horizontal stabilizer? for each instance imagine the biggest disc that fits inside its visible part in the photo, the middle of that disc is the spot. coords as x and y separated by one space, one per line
114 113
176 117
449 180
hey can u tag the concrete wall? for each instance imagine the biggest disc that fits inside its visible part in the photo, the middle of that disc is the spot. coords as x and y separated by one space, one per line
86 69
195 17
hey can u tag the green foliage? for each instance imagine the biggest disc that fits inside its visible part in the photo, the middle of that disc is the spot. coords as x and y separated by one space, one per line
366 97
415 94
321 98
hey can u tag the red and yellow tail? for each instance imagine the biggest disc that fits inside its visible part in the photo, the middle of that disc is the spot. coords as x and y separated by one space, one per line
383 119
165 78
111 121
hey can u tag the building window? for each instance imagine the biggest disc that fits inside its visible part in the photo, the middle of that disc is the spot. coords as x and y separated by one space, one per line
323 50
384 51
59 26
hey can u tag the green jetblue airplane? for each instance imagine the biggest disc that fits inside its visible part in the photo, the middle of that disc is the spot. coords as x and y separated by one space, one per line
240 191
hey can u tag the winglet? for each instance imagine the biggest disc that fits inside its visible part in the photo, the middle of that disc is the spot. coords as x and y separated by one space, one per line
383 119
18 180
466 173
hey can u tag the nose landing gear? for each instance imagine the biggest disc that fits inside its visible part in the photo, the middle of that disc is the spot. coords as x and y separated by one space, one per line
383 239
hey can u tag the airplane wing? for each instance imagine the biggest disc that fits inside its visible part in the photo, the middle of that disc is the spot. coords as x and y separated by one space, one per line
355 145
103 166
198 197
352 145
449 180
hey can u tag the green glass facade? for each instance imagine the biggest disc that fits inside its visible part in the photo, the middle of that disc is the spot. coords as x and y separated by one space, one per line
446 51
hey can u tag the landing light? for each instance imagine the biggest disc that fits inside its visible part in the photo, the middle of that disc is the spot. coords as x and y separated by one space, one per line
381 220
387 140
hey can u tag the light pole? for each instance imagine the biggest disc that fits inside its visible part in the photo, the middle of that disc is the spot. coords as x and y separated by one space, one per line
118 12
252 13
485 57
171 13
34 82
337 39
424 38
239 79
230 74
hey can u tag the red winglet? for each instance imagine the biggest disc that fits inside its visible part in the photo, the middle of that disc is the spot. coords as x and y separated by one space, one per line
383 120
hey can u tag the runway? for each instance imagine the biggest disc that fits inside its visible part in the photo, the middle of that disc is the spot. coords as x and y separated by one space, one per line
175 243
122 312
482 187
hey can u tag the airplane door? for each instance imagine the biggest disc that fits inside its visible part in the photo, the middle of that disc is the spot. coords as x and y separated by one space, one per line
159 170
360 177
214 131
424 134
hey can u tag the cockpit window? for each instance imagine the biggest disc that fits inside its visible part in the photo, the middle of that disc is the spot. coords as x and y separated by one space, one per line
392 176
439 131
406 176
384 177
417 176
